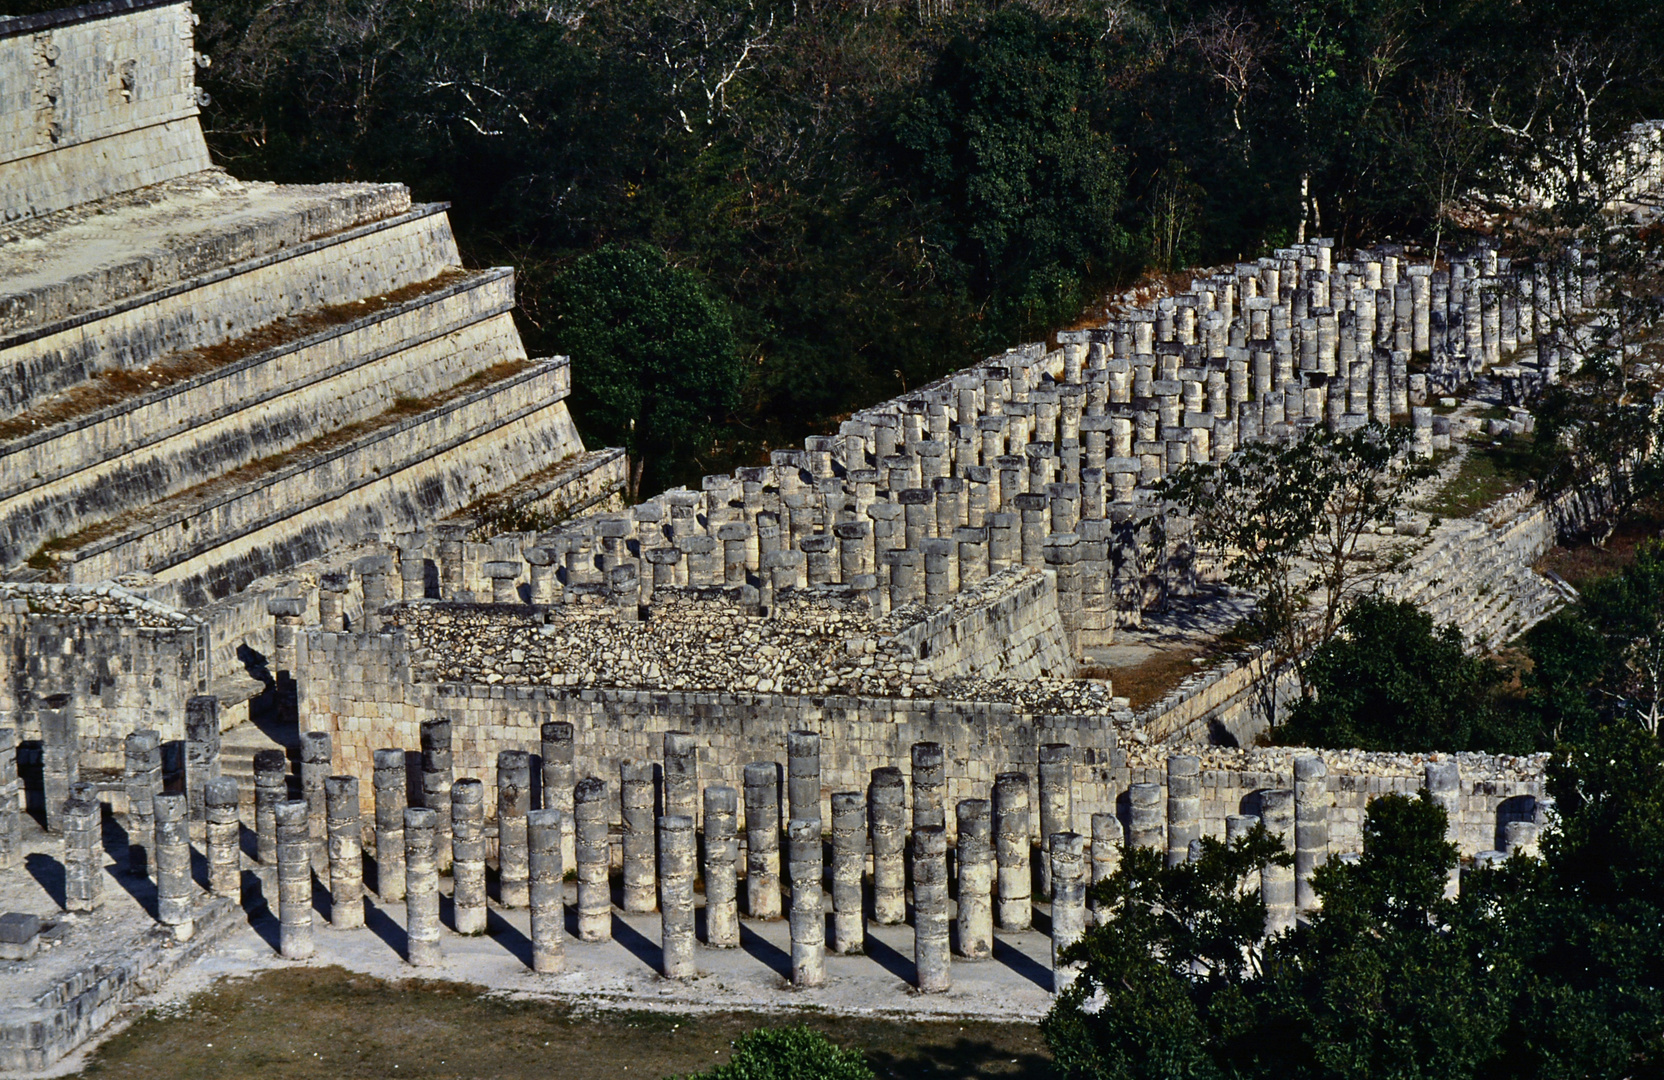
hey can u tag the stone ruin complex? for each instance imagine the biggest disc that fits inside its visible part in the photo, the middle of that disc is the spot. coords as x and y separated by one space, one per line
252 442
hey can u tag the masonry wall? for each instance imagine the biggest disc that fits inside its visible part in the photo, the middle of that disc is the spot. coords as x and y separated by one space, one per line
394 480
120 673
93 101
1007 629
358 687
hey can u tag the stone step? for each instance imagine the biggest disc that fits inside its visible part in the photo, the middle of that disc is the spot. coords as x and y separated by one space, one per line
224 304
96 254
204 545
139 452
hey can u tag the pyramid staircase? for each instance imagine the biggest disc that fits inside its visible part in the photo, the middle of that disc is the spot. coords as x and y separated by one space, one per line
209 380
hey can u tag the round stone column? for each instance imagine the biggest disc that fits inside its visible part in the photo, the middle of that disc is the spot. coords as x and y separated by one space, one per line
762 836
346 853
677 845
1011 847
294 879
976 878
224 838
722 851
1068 902
514 800
421 887
594 860
887 814
546 891
849 863
468 855
808 914
930 909
390 808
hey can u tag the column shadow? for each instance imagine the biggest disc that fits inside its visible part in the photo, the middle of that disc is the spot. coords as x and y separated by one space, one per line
383 926
902 967
49 875
761 949
1022 964
509 937
638 945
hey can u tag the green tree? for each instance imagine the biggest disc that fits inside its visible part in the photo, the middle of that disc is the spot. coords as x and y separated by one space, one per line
654 363
788 1053
1009 150
1391 680
1602 659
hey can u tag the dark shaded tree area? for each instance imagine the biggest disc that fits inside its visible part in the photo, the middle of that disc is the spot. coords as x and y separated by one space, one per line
882 191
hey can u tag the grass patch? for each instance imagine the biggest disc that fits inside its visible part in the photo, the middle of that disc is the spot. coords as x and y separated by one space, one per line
116 385
1486 474
306 1023
1149 680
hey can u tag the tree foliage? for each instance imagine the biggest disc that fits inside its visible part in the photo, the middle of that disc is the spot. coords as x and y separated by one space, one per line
1391 680
1541 968
882 191
653 357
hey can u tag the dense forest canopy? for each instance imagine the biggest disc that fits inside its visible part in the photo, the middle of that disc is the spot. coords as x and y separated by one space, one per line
882 191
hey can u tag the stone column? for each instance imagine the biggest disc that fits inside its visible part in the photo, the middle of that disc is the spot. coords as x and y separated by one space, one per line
346 853
1106 848
1146 828
1277 882
60 756
202 749
762 838
681 774
294 879
1068 902
390 808
1443 780
677 845
11 820
331 587
930 909
722 852
559 778
938 556
635 794
887 815
1011 846
803 775
929 784
589 800
271 786
1311 826
372 583
314 770
1057 802
808 911
421 886
436 786
975 863
514 800
906 577
143 780
546 890
83 848
223 838
468 855
1184 805
849 863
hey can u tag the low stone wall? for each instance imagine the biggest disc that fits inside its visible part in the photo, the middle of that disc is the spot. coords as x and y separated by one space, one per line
225 304
146 450
1005 627
71 1012
95 102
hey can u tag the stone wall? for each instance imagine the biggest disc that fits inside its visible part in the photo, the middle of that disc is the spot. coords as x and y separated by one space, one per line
360 688
118 661
1005 627
93 101
153 446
